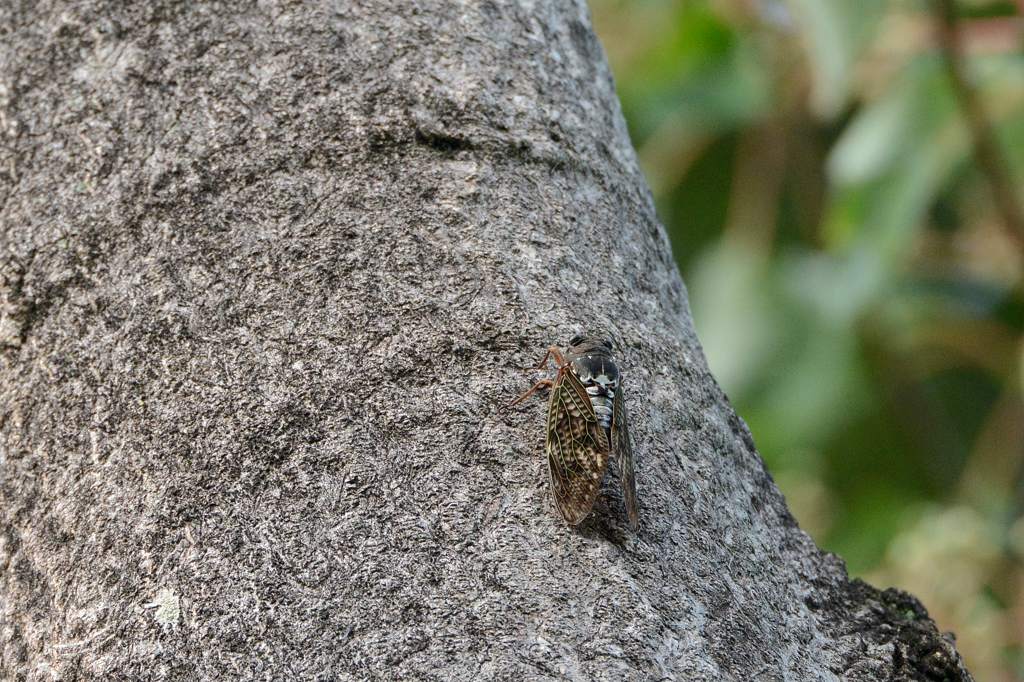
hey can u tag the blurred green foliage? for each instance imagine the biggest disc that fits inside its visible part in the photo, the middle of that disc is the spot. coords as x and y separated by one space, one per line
858 291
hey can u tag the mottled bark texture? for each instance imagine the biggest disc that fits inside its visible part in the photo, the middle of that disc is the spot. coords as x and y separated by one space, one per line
269 273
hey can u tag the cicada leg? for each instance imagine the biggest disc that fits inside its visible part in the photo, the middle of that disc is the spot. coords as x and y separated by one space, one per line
540 384
552 352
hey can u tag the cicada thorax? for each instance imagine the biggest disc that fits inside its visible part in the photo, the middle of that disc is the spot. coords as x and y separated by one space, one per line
594 367
600 377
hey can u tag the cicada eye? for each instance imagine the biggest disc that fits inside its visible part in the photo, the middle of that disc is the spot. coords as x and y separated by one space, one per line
607 343
576 340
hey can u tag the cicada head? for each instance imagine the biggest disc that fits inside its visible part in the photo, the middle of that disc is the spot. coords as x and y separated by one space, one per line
590 343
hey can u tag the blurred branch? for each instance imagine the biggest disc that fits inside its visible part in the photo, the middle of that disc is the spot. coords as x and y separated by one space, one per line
757 183
986 147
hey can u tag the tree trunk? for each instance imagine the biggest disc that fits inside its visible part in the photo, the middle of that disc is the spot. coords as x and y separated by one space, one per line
269 274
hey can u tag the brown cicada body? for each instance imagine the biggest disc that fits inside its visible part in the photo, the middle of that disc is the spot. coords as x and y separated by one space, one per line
586 425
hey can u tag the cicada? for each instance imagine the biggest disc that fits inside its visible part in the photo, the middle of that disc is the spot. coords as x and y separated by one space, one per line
586 426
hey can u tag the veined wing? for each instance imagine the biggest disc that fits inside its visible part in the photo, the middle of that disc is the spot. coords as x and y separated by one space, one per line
577 448
624 457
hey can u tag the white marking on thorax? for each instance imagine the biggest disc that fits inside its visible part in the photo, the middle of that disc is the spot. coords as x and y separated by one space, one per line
601 391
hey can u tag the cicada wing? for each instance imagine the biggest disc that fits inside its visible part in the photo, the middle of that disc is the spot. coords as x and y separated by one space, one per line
577 448
624 457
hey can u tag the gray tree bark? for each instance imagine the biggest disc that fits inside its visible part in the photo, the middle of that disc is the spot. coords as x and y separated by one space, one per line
269 271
